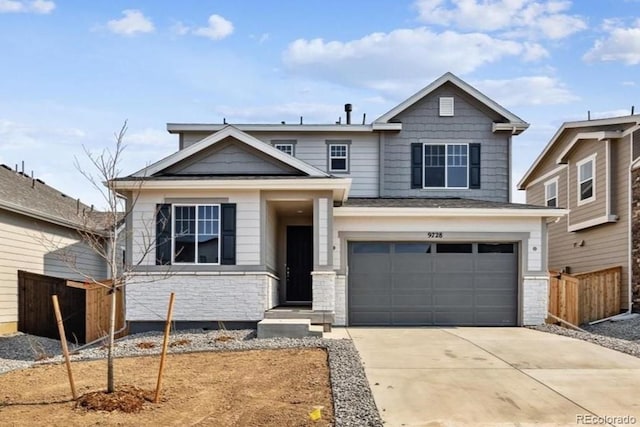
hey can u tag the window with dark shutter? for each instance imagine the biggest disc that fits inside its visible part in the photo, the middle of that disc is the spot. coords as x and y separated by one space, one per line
228 232
416 165
474 165
163 234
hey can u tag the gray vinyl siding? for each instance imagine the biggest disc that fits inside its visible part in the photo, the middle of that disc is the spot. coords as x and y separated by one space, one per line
471 123
596 208
363 156
41 248
187 139
231 158
604 245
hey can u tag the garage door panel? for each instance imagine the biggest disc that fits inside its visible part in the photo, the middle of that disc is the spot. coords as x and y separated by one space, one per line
453 262
411 318
411 281
406 283
457 281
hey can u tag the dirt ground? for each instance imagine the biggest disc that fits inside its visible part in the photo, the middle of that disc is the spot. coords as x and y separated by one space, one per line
246 388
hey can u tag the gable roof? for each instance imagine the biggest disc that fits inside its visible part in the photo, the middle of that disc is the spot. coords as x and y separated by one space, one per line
229 131
514 121
631 120
31 197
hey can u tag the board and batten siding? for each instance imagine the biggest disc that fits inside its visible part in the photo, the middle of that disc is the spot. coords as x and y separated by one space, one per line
39 247
247 220
598 247
597 208
471 123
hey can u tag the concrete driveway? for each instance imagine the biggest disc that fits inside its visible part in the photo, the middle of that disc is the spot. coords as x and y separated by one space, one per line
496 376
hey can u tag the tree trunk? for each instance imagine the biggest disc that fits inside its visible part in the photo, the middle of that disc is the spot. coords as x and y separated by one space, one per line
112 332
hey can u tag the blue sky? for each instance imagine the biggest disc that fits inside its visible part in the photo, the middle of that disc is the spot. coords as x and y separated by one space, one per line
73 71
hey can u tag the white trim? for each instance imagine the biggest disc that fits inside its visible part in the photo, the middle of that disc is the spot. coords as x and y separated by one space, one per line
634 120
546 192
340 186
386 126
514 128
173 231
229 131
446 166
349 211
451 78
213 127
592 222
600 136
579 181
345 157
546 175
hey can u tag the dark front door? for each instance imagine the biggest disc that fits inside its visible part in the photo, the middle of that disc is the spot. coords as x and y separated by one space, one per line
299 262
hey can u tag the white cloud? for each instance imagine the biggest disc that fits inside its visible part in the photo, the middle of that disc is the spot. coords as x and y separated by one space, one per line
42 7
532 90
218 28
132 23
179 28
620 44
544 18
628 83
151 137
402 59
290 112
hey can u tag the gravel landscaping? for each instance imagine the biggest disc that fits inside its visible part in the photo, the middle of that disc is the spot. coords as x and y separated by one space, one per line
353 402
623 335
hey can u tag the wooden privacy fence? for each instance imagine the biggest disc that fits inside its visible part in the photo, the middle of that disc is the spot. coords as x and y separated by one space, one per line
85 307
585 297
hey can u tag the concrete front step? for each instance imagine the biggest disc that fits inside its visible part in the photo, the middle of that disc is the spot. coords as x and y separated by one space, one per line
288 328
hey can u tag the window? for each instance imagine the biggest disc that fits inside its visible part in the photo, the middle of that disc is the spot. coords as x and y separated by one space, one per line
551 193
196 232
446 165
285 145
446 106
495 248
338 157
586 180
454 248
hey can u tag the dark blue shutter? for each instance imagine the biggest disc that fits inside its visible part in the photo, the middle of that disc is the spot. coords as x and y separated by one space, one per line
416 165
474 166
163 234
228 237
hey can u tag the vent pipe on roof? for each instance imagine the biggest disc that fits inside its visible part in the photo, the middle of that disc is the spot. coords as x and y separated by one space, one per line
588 114
300 119
633 107
348 108
364 118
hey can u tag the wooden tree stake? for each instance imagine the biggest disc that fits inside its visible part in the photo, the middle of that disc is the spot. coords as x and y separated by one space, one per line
63 340
165 344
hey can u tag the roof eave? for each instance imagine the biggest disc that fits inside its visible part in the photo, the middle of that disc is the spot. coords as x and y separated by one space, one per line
41 216
447 212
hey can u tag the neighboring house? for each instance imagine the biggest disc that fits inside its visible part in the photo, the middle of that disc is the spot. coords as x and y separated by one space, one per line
404 221
591 168
39 234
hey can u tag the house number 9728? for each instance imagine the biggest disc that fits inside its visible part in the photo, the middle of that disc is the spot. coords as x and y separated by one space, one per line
434 235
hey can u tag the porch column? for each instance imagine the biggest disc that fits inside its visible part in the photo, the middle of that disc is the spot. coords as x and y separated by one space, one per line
323 276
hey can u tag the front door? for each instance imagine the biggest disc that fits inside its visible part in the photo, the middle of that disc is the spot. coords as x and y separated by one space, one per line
299 263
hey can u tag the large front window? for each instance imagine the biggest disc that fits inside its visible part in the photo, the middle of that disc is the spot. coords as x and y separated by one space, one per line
446 166
196 232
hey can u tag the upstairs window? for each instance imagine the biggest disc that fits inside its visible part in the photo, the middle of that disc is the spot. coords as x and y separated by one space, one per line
338 157
586 180
446 106
285 145
446 165
196 232
551 193
285 148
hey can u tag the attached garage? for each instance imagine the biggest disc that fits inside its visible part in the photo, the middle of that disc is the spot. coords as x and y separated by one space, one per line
433 283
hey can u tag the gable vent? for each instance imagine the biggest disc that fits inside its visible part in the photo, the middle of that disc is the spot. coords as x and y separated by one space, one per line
446 106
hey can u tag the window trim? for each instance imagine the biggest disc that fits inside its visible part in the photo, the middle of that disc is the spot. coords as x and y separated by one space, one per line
446 166
546 192
289 142
347 156
591 158
173 231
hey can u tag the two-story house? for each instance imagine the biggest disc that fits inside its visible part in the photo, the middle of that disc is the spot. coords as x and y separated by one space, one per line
591 168
404 221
